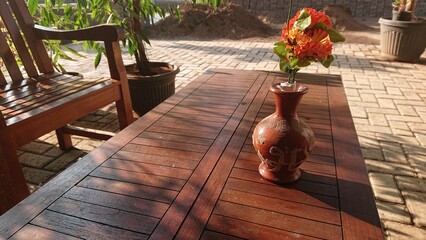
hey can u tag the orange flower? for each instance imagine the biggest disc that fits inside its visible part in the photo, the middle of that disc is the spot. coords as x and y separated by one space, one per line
301 45
317 17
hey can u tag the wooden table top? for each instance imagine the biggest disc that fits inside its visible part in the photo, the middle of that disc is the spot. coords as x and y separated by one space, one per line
187 170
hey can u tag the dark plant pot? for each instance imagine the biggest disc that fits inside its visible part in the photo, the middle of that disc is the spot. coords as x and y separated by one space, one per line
401 40
147 92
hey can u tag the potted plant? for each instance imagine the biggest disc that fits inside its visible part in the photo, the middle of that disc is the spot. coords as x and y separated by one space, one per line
403 10
402 37
150 83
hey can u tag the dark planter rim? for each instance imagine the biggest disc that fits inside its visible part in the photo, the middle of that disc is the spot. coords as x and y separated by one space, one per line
395 23
175 70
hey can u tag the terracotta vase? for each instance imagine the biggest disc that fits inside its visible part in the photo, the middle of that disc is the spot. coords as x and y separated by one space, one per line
283 140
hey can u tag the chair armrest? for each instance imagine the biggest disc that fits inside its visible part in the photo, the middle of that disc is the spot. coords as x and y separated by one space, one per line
103 32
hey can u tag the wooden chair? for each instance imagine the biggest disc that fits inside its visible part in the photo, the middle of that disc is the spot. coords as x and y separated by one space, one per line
39 100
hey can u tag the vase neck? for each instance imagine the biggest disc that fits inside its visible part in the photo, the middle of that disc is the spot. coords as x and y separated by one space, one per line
287 100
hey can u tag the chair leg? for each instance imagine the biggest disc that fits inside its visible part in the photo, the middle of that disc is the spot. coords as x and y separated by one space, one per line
64 139
13 186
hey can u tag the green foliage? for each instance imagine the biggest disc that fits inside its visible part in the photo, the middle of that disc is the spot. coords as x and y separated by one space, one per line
132 15
57 14
335 36
214 3
304 20
396 3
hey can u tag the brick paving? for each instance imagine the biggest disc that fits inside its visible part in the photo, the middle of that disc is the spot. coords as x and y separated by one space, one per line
387 101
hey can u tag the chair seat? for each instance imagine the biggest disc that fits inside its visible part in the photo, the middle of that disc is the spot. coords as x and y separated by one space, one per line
30 102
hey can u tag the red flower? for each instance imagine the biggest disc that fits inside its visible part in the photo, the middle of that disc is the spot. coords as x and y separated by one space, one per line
316 17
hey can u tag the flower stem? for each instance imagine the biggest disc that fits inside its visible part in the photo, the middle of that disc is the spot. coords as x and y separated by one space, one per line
292 75
290 5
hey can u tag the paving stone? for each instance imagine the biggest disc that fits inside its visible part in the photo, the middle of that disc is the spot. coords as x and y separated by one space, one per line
417 127
400 128
407 111
389 168
404 118
418 161
358 112
377 119
403 140
91 118
36 176
36 147
88 145
382 110
108 118
385 188
393 152
112 127
412 103
372 153
360 121
367 140
421 137
33 187
393 91
91 125
34 160
65 160
411 95
399 231
54 152
368 97
393 212
373 129
416 204
46 136
412 184
52 140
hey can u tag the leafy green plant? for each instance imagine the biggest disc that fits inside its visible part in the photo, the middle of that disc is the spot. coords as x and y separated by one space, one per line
214 3
132 15
405 7
57 14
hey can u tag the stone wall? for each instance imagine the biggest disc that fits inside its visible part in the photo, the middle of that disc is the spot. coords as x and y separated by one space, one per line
359 8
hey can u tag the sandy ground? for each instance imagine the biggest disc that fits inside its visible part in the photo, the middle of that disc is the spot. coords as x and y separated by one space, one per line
367 36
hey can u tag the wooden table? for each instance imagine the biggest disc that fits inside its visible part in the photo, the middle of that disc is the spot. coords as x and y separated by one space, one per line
187 170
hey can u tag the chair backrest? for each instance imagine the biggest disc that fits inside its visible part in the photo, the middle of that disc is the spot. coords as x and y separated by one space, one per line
17 39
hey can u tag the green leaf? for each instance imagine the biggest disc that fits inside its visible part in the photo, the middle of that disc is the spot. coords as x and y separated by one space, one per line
293 63
335 36
303 63
304 20
320 25
61 68
283 65
280 49
328 61
32 6
73 51
82 3
98 59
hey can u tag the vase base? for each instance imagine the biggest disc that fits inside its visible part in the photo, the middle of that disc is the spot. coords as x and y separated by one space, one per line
280 177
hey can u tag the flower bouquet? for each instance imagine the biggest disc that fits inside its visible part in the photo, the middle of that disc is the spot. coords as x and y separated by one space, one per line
306 38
